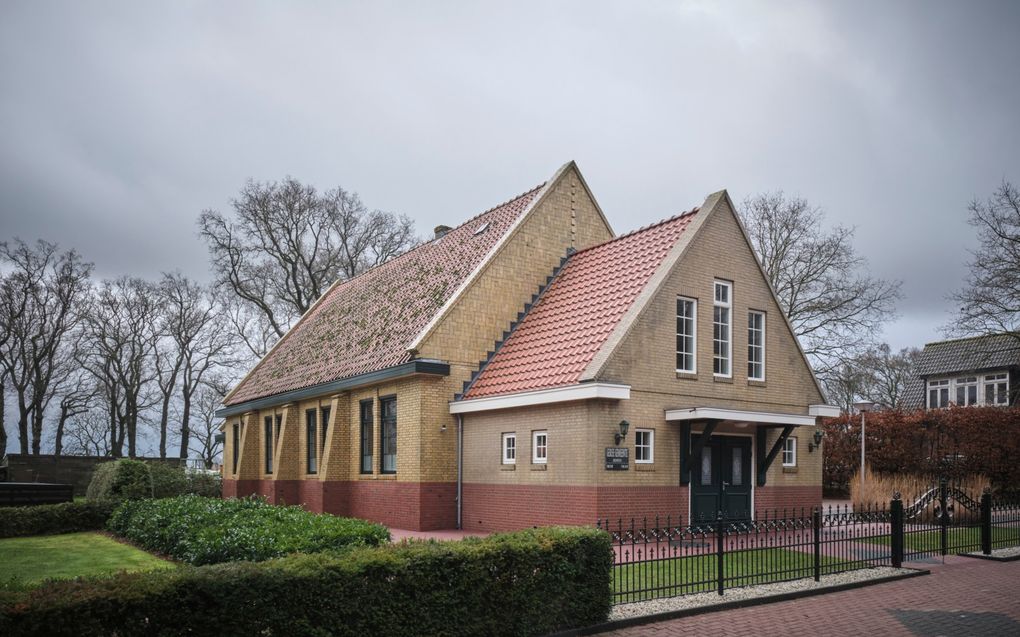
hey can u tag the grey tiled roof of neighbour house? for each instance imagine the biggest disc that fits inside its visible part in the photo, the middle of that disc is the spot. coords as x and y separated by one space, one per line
957 356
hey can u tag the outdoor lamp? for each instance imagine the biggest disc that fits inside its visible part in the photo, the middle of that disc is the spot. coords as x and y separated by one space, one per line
817 443
624 426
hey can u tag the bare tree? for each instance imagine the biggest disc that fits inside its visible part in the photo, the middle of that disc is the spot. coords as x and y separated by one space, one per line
43 297
886 374
87 433
286 243
821 282
206 440
121 328
990 300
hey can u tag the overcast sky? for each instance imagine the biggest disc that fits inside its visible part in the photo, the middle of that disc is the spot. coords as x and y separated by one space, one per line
121 121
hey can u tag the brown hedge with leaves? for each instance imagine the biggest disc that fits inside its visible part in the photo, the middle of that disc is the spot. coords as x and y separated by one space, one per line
954 442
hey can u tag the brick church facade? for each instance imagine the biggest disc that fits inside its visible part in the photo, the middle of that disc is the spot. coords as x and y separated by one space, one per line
527 367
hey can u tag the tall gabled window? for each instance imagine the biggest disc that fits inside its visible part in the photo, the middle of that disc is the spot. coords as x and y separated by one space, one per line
686 335
366 436
756 345
235 444
996 388
388 431
966 391
324 419
722 329
268 442
311 441
938 394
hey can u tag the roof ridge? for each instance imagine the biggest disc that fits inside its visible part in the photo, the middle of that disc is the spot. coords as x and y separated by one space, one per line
970 338
656 224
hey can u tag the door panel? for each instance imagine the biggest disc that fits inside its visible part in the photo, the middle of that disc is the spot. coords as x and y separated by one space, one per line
721 479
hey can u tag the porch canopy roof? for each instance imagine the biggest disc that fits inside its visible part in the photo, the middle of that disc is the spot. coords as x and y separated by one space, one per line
752 417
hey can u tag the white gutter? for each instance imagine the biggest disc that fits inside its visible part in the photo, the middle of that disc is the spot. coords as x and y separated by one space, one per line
583 391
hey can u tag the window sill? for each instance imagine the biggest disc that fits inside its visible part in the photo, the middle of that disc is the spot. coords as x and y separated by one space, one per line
377 476
756 383
539 467
644 466
687 375
789 469
508 467
722 379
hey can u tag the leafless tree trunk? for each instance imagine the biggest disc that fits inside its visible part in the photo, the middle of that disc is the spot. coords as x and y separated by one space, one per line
821 282
990 300
205 434
87 434
286 244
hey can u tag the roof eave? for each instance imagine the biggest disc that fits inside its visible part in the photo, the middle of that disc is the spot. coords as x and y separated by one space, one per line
422 366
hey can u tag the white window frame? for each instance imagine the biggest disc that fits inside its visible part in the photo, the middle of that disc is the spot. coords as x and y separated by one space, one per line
760 346
964 383
790 450
507 459
650 446
939 385
693 336
718 305
535 435
990 382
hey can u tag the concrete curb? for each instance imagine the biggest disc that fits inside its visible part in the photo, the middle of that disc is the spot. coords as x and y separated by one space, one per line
740 603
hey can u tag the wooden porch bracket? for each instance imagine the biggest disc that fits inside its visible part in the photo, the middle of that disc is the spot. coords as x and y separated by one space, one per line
688 459
765 460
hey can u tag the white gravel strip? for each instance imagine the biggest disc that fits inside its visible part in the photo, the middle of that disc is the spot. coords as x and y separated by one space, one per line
665 605
1012 551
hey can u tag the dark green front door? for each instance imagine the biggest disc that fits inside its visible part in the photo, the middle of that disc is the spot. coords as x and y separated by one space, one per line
721 479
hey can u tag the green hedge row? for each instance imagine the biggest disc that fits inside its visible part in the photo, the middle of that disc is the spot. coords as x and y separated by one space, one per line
528 583
48 519
200 530
128 479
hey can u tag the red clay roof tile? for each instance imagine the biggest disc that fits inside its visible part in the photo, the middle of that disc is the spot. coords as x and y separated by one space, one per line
563 331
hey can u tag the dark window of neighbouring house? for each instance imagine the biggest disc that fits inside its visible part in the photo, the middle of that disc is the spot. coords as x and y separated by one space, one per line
311 441
268 441
325 427
388 431
366 436
236 444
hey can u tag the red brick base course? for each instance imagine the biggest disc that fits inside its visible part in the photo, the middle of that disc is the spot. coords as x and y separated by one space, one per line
416 506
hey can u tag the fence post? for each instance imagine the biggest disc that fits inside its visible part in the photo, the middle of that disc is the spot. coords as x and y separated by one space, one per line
943 516
719 551
816 523
986 521
896 539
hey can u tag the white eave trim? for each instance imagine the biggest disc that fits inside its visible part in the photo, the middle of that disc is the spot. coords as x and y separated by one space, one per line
736 415
584 391
824 411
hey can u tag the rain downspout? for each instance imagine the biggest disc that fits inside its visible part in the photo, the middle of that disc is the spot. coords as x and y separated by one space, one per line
460 468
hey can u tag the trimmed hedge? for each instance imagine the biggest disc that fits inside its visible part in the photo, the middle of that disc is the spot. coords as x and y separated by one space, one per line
208 531
120 479
49 519
528 583
168 481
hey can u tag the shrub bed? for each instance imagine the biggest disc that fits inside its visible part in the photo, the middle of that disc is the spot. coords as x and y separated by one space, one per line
528 583
127 479
200 530
49 519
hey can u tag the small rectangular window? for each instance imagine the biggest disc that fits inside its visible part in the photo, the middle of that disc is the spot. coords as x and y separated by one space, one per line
790 452
756 346
644 446
966 391
366 436
996 388
325 427
235 444
388 431
706 465
311 441
686 335
268 443
938 394
509 448
722 330
539 447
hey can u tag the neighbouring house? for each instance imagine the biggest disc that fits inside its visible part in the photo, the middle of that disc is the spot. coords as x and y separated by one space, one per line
527 368
982 370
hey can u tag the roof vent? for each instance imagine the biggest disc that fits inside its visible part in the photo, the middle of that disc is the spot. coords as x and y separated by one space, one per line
441 231
482 228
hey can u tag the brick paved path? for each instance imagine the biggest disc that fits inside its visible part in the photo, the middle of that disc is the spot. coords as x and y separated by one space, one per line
963 597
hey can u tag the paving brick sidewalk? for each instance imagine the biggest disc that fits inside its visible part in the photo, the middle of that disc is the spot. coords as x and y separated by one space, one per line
961 598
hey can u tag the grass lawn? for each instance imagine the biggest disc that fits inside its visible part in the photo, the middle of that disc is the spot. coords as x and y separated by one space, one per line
29 560
930 539
696 574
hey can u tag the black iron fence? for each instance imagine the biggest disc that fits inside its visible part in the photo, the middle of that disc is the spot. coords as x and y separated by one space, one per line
663 557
